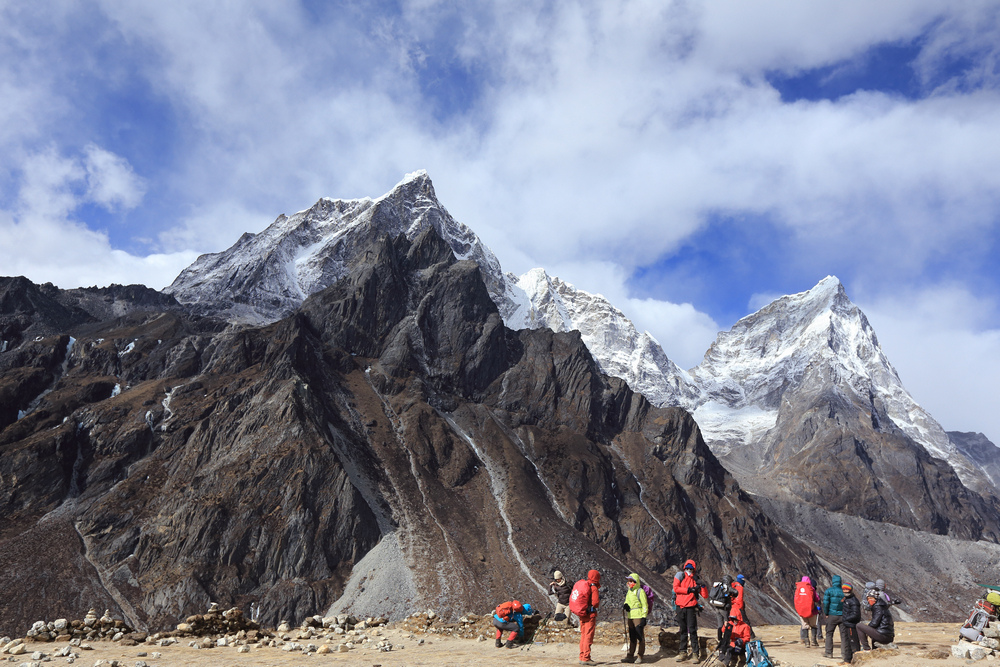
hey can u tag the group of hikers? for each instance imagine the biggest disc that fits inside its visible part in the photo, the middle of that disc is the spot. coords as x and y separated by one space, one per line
838 606
842 609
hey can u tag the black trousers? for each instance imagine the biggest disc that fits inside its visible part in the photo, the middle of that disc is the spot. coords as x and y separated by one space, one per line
636 636
687 624
865 631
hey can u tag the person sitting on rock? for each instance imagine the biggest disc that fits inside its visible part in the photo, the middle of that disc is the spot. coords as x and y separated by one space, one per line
509 617
735 635
561 589
881 628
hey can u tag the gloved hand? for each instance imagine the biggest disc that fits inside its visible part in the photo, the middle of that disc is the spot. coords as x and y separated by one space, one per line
626 607
591 610
642 623
692 589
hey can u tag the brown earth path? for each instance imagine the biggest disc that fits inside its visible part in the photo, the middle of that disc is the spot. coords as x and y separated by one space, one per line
916 642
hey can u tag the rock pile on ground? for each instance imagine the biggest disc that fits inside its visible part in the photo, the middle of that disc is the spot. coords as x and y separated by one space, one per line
90 628
985 647
218 623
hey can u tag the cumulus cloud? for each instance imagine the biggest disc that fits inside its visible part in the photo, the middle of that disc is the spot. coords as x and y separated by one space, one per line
44 243
947 353
587 137
110 179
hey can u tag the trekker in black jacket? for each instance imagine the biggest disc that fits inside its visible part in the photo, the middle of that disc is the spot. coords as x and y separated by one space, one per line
561 589
851 607
880 629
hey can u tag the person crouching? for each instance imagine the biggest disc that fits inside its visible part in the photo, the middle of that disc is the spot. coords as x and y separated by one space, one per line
509 617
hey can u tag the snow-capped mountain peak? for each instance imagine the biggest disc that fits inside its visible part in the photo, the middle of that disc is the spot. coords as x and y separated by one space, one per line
265 276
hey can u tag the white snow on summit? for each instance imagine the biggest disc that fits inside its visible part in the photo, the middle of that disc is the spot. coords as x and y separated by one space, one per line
734 394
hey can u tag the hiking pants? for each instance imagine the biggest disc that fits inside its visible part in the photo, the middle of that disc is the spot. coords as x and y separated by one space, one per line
852 644
503 627
687 625
835 621
865 631
636 635
588 624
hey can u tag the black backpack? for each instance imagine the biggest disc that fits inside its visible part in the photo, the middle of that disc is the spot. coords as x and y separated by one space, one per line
721 594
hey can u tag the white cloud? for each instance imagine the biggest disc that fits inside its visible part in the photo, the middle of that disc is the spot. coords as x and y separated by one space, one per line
110 179
945 352
42 241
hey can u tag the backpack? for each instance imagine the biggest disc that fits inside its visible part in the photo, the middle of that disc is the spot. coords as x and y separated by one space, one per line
650 595
721 595
579 599
757 655
804 599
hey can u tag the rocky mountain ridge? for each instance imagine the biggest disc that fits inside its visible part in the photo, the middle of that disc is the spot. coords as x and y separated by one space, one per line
734 393
389 398
389 446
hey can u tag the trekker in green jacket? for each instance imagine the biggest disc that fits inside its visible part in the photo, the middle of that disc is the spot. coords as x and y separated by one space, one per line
637 609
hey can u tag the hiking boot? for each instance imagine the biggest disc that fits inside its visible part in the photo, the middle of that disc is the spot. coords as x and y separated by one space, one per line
587 662
683 657
697 658
499 643
638 659
628 658
827 655
511 644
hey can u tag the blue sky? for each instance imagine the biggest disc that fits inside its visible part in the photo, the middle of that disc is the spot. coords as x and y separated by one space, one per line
688 160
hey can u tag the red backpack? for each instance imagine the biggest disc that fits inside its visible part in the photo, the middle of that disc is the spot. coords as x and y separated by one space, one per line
579 599
804 594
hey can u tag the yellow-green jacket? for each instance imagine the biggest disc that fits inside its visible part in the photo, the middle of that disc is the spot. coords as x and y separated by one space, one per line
636 600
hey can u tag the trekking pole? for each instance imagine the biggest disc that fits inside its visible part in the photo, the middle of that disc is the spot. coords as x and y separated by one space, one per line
625 629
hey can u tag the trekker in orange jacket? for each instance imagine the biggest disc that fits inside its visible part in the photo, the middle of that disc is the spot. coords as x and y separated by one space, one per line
584 601
686 591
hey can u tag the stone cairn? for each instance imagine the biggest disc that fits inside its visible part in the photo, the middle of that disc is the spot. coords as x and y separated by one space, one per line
979 637
332 634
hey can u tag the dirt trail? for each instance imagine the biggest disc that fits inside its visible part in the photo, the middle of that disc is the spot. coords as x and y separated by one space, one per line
916 642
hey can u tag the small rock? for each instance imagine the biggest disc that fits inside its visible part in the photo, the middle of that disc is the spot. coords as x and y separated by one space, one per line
325 648
243 649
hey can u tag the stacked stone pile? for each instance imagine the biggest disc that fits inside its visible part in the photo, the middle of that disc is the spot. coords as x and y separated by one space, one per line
90 628
216 623
985 647
332 634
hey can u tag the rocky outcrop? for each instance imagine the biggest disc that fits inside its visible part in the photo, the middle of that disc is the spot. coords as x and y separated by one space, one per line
391 445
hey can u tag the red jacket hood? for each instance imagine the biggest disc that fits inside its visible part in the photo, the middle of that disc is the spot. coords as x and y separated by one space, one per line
594 577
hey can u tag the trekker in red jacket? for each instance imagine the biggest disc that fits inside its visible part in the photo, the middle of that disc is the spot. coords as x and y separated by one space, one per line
686 591
584 601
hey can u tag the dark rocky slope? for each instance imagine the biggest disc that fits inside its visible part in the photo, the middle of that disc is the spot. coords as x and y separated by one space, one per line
388 447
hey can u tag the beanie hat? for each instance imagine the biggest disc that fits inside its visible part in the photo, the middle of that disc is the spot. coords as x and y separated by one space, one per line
740 578
879 584
847 588
557 575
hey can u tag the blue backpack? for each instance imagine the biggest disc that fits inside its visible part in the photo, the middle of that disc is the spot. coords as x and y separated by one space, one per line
757 655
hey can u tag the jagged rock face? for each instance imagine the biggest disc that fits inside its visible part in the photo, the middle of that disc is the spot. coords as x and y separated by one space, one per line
390 446
264 277
980 451
803 405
